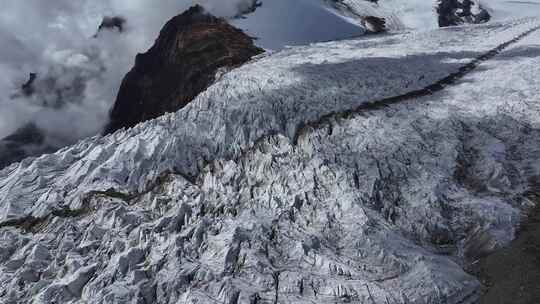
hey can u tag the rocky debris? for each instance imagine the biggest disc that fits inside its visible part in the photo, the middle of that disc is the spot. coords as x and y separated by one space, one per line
511 275
183 62
457 12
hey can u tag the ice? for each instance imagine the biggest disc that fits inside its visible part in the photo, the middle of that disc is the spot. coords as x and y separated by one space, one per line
246 196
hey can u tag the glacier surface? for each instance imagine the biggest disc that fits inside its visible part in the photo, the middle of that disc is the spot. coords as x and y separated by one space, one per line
241 198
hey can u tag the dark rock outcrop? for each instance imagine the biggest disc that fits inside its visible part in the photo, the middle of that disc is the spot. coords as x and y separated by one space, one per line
25 142
182 63
456 12
115 23
374 24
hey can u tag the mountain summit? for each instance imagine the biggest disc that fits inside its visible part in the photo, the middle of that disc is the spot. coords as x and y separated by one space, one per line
183 62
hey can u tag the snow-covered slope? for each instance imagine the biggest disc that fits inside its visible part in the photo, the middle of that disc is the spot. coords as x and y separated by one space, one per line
277 23
507 9
421 14
274 94
395 12
77 77
222 202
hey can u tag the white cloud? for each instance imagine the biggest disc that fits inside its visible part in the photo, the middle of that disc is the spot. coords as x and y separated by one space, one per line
54 39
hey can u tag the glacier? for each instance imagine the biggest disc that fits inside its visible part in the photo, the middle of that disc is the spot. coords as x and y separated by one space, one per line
259 191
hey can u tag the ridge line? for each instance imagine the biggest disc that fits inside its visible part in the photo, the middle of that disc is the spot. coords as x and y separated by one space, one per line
302 129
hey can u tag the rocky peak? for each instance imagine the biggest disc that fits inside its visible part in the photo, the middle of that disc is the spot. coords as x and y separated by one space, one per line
456 12
182 63
117 23
26 141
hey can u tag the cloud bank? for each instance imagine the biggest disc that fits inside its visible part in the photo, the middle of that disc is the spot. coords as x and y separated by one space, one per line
78 75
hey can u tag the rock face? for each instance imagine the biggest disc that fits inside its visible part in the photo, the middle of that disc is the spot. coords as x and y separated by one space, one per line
117 23
456 12
24 142
183 62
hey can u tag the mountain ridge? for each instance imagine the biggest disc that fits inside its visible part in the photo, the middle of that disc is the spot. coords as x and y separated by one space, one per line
182 63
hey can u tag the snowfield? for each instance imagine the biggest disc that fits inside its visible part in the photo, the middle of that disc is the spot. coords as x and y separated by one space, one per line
222 203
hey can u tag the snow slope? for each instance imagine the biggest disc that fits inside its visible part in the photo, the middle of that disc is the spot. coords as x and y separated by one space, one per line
217 204
507 9
278 23
85 73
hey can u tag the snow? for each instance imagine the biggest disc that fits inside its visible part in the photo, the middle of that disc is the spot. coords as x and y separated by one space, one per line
507 9
221 203
421 14
55 43
308 21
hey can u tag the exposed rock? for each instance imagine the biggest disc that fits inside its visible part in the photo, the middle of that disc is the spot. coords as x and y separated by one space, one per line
116 22
183 62
248 7
24 142
362 207
515 270
456 12
374 24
